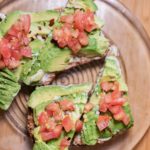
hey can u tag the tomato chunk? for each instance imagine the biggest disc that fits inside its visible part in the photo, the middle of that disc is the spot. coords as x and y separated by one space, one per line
53 108
103 122
67 19
43 118
64 143
46 136
67 105
83 38
78 125
67 123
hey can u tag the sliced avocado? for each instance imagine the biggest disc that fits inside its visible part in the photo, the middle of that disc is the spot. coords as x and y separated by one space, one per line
98 45
46 93
39 145
39 29
54 59
44 16
8 22
82 4
9 87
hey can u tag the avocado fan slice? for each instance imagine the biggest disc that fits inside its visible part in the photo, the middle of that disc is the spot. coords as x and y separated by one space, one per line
9 87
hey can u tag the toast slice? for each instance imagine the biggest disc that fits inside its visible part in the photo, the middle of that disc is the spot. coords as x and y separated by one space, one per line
108 112
56 109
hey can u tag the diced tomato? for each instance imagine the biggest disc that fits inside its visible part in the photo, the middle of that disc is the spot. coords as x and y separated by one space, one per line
64 143
67 123
75 33
74 45
43 118
26 21
116 94
13 63
103 122
88 107
50 125
66 105
119 101
114 109
126 120
90 24
15 43
103 107
52 108
78 125
83 38
106 86
26 51
108 98
79 19
5 48
16 54
58 116
43 128
120 115
46 136
67 19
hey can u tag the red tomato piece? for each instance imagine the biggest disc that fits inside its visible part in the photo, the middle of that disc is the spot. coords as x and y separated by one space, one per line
13 63
67 19
88 107
126 120
119 101
74 45
90 24
79 19
43 118
103 107
114 109
26 51
103 122
64 143
58 116
106 86
47 136
26 21
5 48
116 94
50 125
16 55
120 115
67 105
52 108
83 38
108 98
75 33
78 125
67 123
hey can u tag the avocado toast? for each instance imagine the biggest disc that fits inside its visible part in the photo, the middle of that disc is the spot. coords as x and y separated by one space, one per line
108 112
36 46
56 109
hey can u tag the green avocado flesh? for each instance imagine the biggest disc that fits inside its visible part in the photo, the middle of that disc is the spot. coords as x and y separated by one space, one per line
90 133
82 4
9 87
43 96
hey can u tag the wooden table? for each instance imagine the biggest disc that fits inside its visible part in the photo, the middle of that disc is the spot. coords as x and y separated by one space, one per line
141 8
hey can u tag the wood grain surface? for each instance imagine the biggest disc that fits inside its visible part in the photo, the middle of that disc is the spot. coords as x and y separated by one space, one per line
141 8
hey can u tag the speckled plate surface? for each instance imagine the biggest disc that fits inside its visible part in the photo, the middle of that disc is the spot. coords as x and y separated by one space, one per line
129 36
